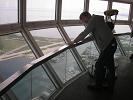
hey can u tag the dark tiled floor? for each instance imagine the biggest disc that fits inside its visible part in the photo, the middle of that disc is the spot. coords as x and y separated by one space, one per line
123 88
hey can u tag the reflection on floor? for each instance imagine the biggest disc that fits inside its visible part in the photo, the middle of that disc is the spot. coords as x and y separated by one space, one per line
123 89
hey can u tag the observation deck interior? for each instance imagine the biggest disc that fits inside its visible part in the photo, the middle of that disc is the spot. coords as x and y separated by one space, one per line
36 62
123 87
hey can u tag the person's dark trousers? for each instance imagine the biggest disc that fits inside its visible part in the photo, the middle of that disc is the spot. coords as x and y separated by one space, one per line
106 58
131 57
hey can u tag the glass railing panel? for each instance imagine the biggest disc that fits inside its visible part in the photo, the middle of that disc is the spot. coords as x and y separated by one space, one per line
65 66
48 39
36 85
127 44
42 87
88 53
14 51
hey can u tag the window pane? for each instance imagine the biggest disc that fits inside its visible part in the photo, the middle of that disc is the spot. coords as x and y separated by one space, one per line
71 9
38 10
122 28
97 7
123 10
74 31
8 11
15 52
48 39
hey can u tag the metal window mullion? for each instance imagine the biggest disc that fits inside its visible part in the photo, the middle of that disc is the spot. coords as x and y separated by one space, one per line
131 13
63 33
109 5
95 44
58 8
22 12
86 5
53 75
78 59
32 43
38 53
120 47
73 50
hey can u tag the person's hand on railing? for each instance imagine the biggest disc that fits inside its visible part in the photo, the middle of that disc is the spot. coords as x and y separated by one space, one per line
71 43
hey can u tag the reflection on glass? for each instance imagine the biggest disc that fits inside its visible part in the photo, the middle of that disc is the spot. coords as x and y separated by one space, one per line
71 9
38 10
15 52
48 39
36 85
8 11
123 10
74 31
65 66
97 7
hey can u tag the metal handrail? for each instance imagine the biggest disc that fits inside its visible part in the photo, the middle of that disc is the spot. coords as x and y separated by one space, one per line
13 79
17 76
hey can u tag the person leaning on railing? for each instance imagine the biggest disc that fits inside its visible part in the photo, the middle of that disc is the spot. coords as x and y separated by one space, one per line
102 34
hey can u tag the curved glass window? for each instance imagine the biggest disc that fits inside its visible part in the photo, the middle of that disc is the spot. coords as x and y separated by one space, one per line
97 7
15 52
48 39
123 10
8 11
38 10
71 9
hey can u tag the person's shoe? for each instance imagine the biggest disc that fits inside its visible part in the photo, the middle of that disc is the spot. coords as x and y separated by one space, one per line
131 57
105 85
95 86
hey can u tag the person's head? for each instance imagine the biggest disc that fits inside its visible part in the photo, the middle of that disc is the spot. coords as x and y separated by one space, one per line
85 17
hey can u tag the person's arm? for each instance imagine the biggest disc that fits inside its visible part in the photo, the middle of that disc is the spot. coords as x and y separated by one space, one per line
80 37
88 39
87 30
